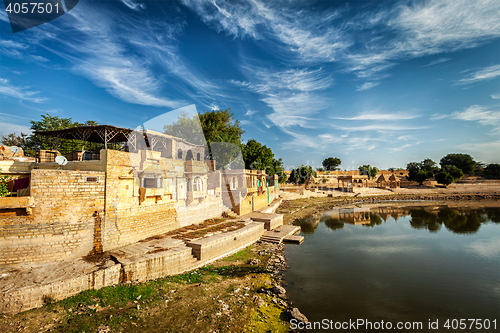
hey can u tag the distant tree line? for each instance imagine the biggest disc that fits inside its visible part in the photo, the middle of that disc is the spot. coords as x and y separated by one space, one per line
452 168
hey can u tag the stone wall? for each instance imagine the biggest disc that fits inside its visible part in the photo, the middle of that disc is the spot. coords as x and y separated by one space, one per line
60 224
34 296
211 248
130 217
210 208
254 201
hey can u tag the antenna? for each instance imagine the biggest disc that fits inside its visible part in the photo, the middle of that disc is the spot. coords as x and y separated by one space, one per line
61 160
15 149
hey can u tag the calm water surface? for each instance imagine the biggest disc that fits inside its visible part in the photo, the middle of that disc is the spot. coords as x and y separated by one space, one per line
404 263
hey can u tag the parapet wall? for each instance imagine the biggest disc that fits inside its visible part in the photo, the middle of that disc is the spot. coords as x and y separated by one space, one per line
60 222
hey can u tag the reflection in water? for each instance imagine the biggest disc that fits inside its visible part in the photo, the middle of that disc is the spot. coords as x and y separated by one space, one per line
460 221
375 263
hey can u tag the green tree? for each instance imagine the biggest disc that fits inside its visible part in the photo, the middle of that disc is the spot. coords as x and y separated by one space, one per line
368 170
492 170
301 174
51 123
186 128
4 189
259 157
443 177
12 139
221 132
421 171
331 163
464 162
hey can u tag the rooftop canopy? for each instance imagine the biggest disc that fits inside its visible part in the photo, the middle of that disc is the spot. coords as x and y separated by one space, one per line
111 134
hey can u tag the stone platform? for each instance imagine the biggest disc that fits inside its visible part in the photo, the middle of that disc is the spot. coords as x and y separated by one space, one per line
277 235
271 221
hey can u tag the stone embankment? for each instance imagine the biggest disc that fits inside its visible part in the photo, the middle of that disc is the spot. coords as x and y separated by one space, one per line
276 265
31 286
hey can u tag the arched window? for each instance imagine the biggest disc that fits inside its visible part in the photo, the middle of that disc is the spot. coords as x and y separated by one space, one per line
233 183
179 154
189 155
198 184
258 182
198 157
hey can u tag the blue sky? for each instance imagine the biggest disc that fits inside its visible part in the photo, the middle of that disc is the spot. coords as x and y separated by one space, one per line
381 83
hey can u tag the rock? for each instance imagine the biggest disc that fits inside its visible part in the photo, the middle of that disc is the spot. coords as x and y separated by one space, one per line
103 329
279 290
254 261
296 314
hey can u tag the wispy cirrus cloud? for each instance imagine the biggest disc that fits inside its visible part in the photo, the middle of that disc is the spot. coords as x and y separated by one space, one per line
120 52
437 62
380 128
377 115
302 33
487 73
291 94
134 5
7 128
425 28
368 85
486 116
22 93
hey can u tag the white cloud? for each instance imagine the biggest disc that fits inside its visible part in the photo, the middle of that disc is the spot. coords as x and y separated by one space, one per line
250 113
375 115
368 85
483 151
438 116
437 62
291 94
487 73
134 5
486 116
7 128
495 96
486 248
379 128
426 28
300 33
109 49
479 113
22 93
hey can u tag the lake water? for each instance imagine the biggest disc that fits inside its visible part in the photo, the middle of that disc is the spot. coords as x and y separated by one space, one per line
398 263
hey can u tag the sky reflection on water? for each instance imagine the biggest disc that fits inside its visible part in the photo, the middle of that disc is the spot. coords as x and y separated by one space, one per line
403 264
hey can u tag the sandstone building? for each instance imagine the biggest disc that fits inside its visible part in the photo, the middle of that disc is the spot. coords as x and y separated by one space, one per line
100 201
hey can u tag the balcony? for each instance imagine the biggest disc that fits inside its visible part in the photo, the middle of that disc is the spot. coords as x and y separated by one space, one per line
192 166
17 203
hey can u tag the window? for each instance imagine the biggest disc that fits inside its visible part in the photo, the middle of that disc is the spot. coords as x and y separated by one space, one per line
198 184
152 182
189 155
198 157
179 154
233 183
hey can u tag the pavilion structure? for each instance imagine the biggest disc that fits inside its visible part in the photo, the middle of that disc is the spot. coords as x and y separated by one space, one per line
351 181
